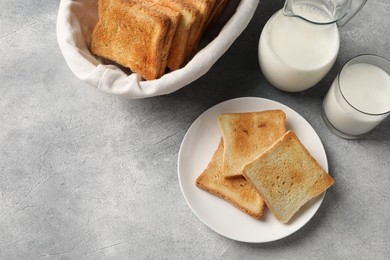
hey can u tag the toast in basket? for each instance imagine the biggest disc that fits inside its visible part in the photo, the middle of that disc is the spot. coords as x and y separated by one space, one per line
133 36
151 37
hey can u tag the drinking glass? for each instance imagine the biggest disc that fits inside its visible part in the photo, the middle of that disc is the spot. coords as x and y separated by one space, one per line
359 97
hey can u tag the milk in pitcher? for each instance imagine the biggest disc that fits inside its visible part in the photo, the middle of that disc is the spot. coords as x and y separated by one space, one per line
295 54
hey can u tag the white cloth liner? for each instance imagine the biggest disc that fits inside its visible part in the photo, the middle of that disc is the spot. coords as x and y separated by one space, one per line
75 22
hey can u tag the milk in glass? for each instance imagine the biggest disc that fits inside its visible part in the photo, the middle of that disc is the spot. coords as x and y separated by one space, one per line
358 100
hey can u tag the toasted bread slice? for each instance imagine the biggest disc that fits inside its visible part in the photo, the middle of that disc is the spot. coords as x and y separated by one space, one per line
216 12
190 19
204 7
237 191
247 135
287 176
174 17
102 6
133 36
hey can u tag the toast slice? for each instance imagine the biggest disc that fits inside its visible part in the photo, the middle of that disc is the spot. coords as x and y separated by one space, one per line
216 12
287 176
204 8
190 19
102 6
133 36
247 135
175 18
237 191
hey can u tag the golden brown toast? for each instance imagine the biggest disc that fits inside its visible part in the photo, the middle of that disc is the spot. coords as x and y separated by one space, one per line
237 191
216 12
287 176
246 135
204 8
102 5
175 18
133 36
173 15
172 28
190 19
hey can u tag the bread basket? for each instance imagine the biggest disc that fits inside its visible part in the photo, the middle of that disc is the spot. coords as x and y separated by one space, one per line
77 18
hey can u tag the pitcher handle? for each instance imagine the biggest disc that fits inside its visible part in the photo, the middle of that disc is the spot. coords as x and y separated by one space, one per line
354 9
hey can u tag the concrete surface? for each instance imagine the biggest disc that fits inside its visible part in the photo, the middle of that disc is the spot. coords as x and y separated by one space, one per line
85 175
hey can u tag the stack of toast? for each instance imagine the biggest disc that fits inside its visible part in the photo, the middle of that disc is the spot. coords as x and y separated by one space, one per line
152 36
258 163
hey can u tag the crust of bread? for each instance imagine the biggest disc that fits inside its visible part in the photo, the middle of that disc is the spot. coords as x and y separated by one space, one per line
204 8
246 135
237 191
102 5
190 19
216 12
175 18
287 176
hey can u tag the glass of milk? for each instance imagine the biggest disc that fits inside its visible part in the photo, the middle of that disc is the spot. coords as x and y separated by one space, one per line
359 97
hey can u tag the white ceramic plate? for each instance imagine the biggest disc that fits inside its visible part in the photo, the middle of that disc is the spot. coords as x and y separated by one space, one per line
199 145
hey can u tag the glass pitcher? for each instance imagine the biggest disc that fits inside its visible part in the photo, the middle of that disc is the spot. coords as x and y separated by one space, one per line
299 43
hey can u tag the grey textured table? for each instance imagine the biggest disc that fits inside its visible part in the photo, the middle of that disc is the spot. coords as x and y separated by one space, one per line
87 175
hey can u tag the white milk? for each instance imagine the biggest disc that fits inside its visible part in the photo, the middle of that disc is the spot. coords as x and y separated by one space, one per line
295 54
366 88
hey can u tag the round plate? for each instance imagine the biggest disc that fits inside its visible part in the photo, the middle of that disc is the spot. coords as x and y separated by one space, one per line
196 151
